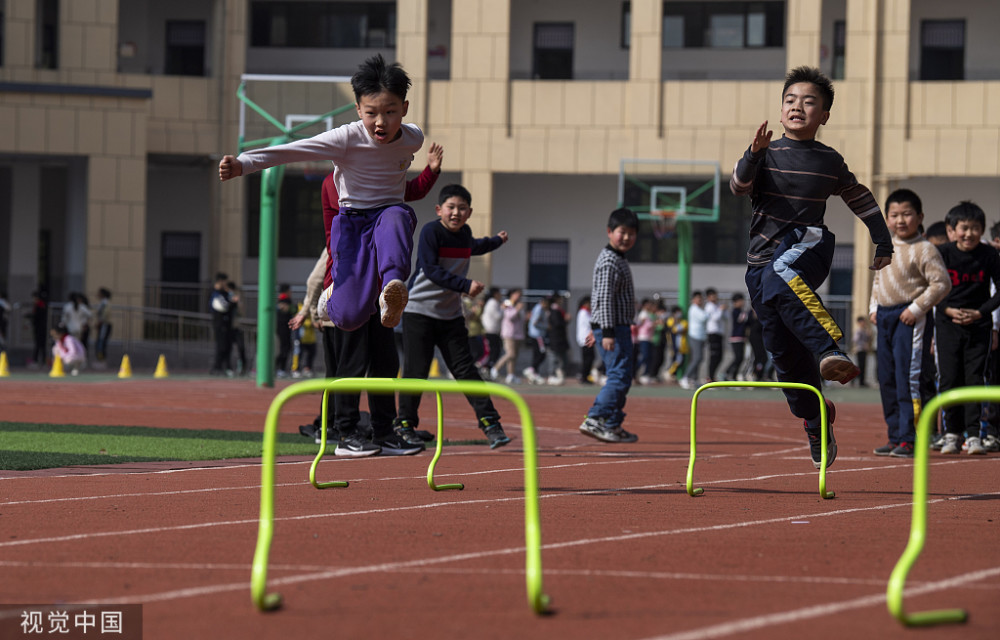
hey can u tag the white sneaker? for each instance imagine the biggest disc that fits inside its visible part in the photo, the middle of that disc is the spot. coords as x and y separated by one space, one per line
974 447
950 443
392 301
685 383
321 305
991 443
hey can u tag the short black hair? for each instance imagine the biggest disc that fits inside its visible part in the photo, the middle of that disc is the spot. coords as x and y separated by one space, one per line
375 76
937 230
814 76
711 291
221 277
104 291
623 217
904 195
696 293
737 296
995 231
454 190
966 211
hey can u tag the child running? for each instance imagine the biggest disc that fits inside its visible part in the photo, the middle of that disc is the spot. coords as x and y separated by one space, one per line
372 239
790 252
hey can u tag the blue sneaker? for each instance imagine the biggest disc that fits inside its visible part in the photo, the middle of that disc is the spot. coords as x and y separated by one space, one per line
493 432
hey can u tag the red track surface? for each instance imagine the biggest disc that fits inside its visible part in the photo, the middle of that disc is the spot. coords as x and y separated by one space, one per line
627 553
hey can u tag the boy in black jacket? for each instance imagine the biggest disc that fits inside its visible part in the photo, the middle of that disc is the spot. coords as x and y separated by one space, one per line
434 314
963 322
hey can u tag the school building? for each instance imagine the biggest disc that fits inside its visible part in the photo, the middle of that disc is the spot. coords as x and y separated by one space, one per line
114 114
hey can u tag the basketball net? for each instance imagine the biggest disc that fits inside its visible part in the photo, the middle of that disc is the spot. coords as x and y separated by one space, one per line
664 223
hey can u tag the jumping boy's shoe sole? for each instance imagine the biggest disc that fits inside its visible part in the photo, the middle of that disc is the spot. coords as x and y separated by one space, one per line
392 301
837 367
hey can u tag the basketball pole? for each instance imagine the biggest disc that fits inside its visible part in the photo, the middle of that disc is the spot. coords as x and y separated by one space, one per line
270 191
685 253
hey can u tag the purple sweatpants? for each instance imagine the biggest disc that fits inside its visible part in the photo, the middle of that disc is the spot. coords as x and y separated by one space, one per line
369 248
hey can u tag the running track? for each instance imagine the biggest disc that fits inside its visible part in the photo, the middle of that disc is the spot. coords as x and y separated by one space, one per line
627 553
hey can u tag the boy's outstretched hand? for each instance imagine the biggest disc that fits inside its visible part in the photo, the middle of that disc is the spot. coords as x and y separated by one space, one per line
475 288
230 167
880 262
761 139
503 236
434 156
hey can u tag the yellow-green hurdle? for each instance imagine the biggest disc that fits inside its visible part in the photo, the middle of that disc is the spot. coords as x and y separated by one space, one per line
824 426
918 526
264 601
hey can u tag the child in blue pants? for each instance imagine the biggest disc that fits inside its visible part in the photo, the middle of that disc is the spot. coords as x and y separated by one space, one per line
612 311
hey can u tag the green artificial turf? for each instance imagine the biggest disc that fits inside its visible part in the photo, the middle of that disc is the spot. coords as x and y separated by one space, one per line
26 446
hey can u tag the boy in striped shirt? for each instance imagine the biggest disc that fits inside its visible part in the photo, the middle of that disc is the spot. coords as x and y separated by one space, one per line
790 252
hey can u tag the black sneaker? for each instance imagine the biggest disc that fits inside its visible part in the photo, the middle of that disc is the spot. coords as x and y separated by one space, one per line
405 432
312 432
904 450
393 445
494 432
424 435
815 444
354 446
885 449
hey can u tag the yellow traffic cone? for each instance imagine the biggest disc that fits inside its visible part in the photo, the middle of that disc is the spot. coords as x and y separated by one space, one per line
126 369
161 367
4 365
435 369
57 369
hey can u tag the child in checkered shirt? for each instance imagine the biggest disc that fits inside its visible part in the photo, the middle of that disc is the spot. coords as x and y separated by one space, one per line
612 311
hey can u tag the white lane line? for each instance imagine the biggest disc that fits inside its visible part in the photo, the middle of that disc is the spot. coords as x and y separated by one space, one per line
256 487
827 609
424 562
84 536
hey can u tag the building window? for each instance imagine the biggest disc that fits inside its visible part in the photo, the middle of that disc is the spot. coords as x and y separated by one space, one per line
300 215
548 264
553 57
839 49
942 50
185 55
47 53
723 25
626 25
323 25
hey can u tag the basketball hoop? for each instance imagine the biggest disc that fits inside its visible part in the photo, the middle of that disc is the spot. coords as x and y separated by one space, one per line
664 223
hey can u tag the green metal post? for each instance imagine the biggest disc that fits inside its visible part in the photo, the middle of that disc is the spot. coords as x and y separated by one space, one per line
685 258
270 187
